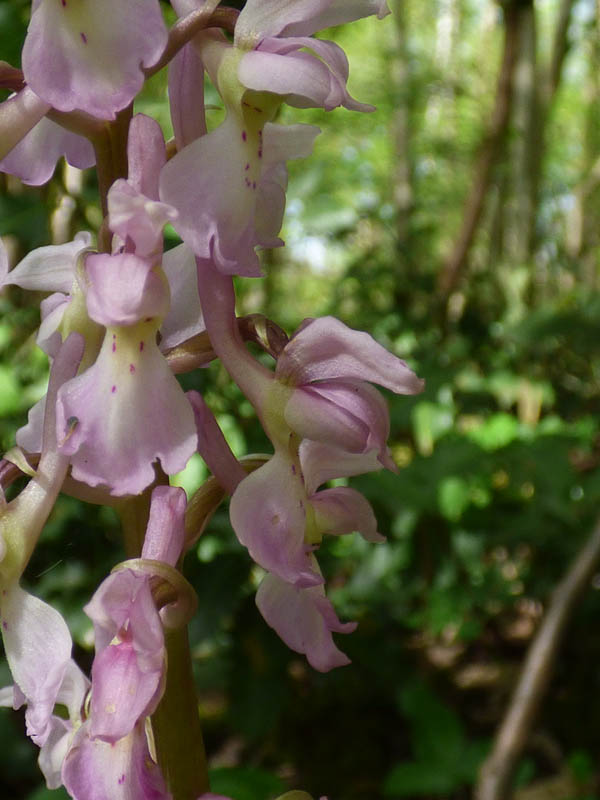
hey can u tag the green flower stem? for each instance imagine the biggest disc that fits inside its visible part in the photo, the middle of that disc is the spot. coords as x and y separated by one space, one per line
176 724
134 513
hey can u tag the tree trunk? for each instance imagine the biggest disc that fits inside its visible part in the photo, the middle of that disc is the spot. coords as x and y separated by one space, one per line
521 209
403 196
489 153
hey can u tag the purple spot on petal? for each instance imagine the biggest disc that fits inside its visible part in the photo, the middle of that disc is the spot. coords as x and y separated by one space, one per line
141 346
64 3
247 167
114 389
254 184
83 38
131 368
293 469
121 779
244 137
114 347
4 625
260 152
148 319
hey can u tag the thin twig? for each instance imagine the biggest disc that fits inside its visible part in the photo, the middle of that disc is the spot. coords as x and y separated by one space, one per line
498 768
187 27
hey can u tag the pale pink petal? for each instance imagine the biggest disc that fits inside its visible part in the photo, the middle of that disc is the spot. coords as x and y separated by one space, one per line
286 142
343 510
37 643
229 207
267 513
51 268
165 532
299 78
72 693
212 446
3 263
34 158
184 318
18 115
129 667
304 619
54 750
321 463
261 18
281 66
216 196
351 415
29 436
123 289
186 95
313 416
53 308
81 54
325 348
146 155
132 215
123 770
280 144
22 520
122 692
129 411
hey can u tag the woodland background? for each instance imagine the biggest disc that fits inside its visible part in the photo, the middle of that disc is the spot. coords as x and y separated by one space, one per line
458 224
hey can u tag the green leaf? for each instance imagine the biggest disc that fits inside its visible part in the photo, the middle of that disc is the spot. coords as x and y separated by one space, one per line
48 794
245 783
10 392
430 422
438 734
497 431
454 497
416 779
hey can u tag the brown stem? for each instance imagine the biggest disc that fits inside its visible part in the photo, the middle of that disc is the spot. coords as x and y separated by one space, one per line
11 77
498 768
187 27
198 351
489 154
110 147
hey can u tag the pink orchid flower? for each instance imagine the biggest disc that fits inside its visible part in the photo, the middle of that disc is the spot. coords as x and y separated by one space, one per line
81 54
273 59
36 638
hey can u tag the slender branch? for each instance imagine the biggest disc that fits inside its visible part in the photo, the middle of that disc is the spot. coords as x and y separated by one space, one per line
198 351
187 27
499 766
560 47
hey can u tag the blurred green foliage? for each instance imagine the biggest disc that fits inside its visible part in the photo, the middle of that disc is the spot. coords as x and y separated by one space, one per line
498 483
